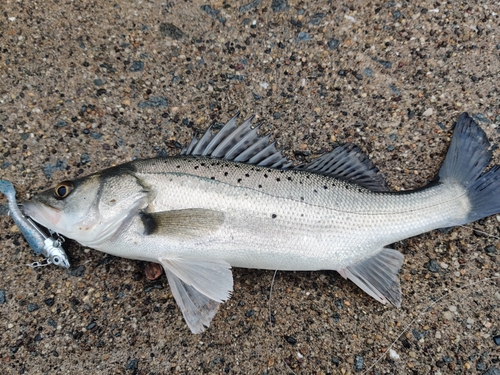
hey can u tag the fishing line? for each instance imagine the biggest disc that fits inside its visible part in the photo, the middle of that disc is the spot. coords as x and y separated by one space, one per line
423 312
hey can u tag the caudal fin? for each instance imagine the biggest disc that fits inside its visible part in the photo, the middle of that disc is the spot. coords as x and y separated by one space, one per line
468 156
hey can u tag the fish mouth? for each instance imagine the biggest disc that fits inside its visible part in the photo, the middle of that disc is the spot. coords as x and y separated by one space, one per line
43 214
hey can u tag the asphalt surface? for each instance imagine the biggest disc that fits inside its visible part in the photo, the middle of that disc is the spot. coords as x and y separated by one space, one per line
88 84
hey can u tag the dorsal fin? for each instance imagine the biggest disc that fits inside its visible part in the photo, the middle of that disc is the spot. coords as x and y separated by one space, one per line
237 143
242 144
349 163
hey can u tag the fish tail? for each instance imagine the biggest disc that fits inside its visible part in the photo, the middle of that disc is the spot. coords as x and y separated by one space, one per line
468 156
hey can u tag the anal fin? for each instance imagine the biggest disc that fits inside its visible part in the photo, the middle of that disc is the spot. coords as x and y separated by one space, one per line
378 276
198 287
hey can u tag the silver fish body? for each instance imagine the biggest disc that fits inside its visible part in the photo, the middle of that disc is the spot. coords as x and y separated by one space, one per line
233 200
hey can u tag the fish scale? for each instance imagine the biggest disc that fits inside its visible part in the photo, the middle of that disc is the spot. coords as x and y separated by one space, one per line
232 200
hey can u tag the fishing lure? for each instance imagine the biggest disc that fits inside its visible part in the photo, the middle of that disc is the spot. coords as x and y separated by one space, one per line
41 243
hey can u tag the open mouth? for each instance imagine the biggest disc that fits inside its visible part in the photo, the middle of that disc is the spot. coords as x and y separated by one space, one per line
41 213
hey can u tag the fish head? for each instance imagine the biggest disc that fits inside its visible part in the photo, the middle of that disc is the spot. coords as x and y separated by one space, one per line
91 209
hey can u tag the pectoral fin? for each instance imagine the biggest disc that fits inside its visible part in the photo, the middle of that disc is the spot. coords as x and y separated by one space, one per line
378 276
198 287
192 222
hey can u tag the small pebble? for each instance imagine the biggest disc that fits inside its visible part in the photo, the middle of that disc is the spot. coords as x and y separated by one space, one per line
393 354
137 66
359 362
303 37
249 6
169 30
481 118
154 102
384 63
368 72
153 271
290 339
438 334
433 266
33 307
333 44
133 364
209 10
447 315
490 250
279 6
492 371
2 297
49 169
316 18
77 272
496 340
84 158
452 308
428 112
98 82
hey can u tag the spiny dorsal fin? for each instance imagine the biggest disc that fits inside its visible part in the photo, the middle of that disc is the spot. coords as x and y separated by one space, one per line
349 163
237 143
242 144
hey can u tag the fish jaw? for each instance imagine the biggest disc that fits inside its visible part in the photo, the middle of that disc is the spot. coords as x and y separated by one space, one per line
43 214
58 220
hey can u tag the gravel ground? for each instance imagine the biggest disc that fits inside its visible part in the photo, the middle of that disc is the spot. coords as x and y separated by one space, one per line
90 84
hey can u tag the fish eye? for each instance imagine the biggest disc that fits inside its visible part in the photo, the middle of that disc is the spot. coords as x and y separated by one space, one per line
63 189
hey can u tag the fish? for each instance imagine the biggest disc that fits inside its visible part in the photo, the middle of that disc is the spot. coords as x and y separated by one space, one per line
40 242
231 199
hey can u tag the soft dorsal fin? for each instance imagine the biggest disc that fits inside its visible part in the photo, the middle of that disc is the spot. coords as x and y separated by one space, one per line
349 163
237 143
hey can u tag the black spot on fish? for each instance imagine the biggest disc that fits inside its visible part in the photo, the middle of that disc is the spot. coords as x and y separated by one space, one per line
247 175
202 164
225 173
260 186
315 191
265 175
178 166
273 216
239 180
212 178
149 223
196 166
278 179
325 187
301 198
289 178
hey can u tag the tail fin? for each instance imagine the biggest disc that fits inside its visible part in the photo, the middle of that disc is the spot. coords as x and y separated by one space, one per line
469 154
